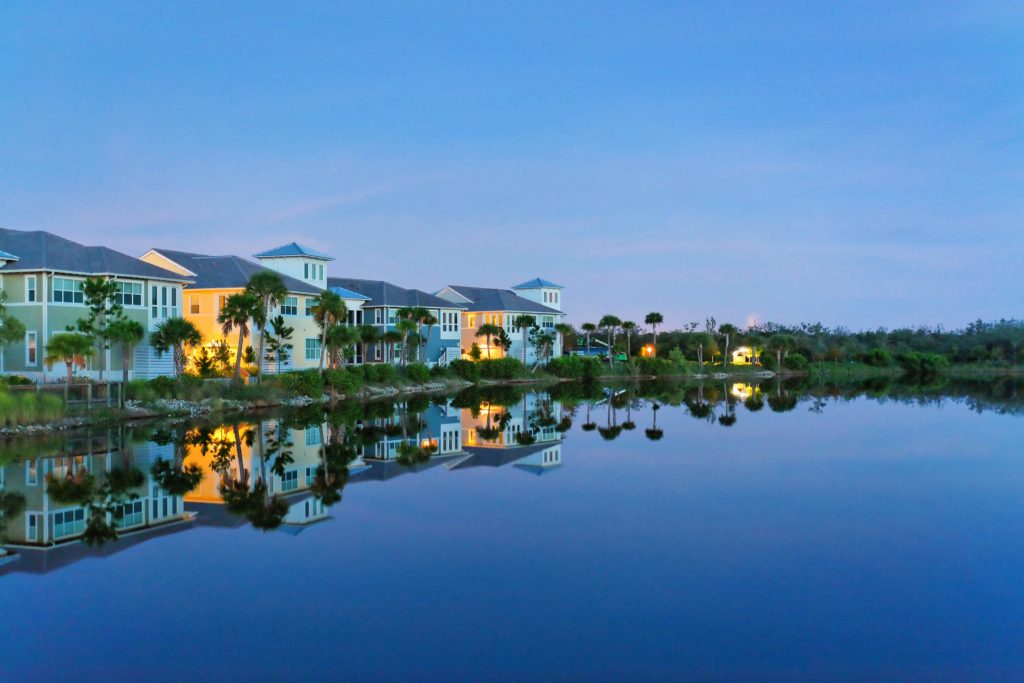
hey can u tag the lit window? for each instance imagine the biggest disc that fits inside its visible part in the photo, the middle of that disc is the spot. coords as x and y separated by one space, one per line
193 304
31 348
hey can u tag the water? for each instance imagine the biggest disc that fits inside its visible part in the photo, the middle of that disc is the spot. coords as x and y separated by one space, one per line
850 536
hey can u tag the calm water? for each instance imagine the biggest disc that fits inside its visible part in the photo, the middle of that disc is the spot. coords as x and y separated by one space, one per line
830 534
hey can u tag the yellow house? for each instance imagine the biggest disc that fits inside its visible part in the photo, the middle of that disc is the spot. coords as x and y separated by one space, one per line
744 355
218 277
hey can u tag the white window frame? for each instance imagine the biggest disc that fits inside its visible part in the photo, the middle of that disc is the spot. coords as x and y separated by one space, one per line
75 291
290 302
309 348
194 306
121 296
31 348
31 289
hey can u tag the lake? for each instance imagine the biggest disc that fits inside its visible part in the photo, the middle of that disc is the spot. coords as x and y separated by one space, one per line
724 531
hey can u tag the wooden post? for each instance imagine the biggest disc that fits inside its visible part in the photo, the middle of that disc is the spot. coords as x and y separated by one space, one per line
88 394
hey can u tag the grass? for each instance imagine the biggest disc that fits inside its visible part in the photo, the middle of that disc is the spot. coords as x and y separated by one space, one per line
29 407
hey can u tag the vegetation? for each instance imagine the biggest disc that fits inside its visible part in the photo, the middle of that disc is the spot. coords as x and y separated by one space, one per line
267 287
69 348
174 335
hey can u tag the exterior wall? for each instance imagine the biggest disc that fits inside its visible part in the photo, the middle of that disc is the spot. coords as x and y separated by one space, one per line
546 296
472 320
46 317
299 267
443 342
522 417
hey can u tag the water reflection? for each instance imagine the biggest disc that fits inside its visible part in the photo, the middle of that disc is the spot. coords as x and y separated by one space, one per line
112 489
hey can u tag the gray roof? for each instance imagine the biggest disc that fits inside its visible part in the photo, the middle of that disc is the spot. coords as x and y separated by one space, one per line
386 294
40 250
227 272
7 256
293 249
537 283
486 299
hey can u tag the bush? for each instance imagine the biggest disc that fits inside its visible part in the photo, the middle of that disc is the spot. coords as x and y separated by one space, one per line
16 381
878 358
655 366
566 366
380 373
418 373
302 382
922 364
502 368
28 407
163 387
344 380
466 370
795 361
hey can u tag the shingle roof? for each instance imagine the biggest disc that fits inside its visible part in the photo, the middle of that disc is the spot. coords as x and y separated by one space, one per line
7 256
537 283
40 250
486 299
293 249
228 272
383 293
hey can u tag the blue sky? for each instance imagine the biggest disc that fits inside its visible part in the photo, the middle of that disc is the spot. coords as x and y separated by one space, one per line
853 163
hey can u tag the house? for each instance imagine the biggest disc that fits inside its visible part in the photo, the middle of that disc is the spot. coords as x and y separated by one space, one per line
384 299
744 355
539 298
43 275
215 278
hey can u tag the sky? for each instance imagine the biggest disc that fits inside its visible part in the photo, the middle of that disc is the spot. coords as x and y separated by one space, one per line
858 164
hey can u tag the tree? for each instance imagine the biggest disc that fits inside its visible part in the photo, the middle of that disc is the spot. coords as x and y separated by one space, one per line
524 323
588 329
268 288
340 338
705 344
726 330
780 345
542 341
67 347
654 319
565 331
100 295
488 330
129 334
368 334
405 326
279 342
628 327
610 324
236 313
429 321
503 341
174 334
390 338
420 315
329 309
11 329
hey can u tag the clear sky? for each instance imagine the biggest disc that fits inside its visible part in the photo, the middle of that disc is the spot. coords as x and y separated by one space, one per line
853 163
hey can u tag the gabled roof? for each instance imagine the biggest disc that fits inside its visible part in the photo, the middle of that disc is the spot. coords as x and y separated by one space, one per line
383 293
486 299
293 249
228 272
40 250
537 283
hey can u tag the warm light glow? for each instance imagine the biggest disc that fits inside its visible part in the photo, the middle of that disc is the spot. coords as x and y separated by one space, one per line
427 443
647 350
742 391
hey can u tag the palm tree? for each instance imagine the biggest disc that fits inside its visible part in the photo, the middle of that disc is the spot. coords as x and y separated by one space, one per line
726 330
330 308
524 322
420 315
238 310
128 333
588 328
174 334
405 326
488 330
564 330
429 321
268 288
705 344
610 324
628 327
368 334
390 338
654 433
780 345
654 319
66 347
340 338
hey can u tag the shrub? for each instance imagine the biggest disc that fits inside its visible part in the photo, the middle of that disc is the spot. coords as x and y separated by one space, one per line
501 368
344 380
466 370
163 387
878 358
566 366
17 381
795 361
418 373
922 364
302 382
655 366
380 373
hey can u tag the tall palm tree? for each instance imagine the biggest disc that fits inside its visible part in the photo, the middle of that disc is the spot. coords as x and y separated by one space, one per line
174 334
330 308
390 338
128 333
420 315
268 288
340 338
405 326
727 330
368 334
488 330
610 324
429 322
588 328
564 330
238 310
628 327
525 323
780 344
66 347
654 319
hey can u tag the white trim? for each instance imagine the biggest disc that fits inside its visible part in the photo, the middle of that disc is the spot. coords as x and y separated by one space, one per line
35 339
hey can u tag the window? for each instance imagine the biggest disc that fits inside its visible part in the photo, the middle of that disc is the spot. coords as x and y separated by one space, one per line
310 475
312 348
305 270
378 316
312 436
391 316
321 269
290 480
222 300
376 351
31 350
471 322
32 528
68 523
193 304
290 306
128 293
129 514
67 291
163 305
32 473
30 288
311 302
